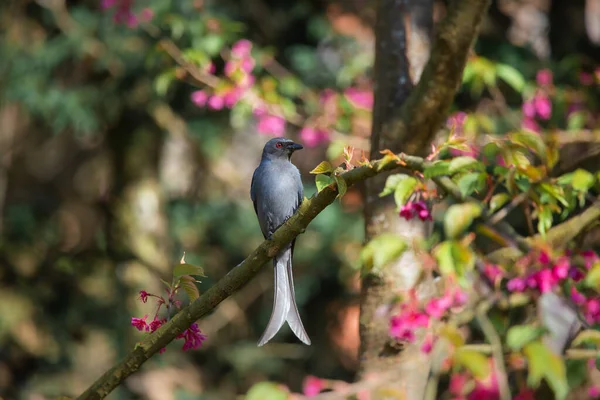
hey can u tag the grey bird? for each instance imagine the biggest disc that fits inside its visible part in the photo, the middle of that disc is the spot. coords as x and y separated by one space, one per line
276 192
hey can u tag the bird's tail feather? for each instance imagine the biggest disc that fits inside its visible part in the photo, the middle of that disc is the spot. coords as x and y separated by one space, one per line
284 301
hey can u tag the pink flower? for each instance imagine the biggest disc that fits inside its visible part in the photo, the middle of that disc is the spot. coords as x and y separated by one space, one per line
140 323
544 258
360 98
199 98
457 121
436 307
589 258
193 337
241 48
271 124
210 68
516 285
594 392
458 383
146 15
493 272
529 123
561 268
544 77
528 109
427 345
230 68
586 79
232 97
546 280
576 274
543 106
312 386
403 325
247 64
460 298
406 211
313 137
143 296
216 102
157 323
486 388
105 4
577 297
422 211
525 394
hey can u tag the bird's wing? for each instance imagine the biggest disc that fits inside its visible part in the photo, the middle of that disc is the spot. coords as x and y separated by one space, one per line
252 194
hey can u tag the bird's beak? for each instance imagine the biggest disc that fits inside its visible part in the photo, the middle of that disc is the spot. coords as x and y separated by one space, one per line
295 146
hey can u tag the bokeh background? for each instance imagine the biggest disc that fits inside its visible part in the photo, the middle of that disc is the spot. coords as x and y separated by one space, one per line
109 172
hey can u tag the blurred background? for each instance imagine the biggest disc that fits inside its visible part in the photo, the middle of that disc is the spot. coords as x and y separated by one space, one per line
109 171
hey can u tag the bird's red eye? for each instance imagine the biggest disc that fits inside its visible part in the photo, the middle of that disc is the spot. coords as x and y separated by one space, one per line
279 145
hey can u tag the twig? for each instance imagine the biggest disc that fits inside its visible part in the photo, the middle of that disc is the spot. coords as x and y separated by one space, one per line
492 336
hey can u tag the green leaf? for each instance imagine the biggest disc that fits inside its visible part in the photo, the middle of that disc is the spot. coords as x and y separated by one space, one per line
163 81
545 364
464 163
544 220
404 190
342 187
322 181
381 250
474 361
531 140
587 336
592 279
498 200
213 43
267 391
391 183
438 168
471 182
511 76
454 258
459 217
576 120
583 180
323 168
188 269
189 286
520 335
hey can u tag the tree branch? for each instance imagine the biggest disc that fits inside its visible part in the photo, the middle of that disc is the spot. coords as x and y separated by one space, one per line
239 276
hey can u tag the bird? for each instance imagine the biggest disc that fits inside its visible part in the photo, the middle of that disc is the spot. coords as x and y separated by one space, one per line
276 191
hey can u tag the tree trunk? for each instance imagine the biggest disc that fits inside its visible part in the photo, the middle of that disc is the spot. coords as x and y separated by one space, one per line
403 38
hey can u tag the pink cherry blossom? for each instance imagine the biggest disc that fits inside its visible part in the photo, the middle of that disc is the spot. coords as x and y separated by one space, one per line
403 325
543 106
271 125
193 337
516 285
594 392
312 386
561 269
544 77
143 296
140 323
156 323
360 98
493 272
199 98
530 124
312 137
406 211
577 297
428 343
216 102
420 208
528 109
437 307
241 48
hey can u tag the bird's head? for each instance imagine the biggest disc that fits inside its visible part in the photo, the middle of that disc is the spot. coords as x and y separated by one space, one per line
280 148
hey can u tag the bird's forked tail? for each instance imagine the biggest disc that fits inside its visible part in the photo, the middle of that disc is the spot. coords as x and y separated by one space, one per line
284 301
